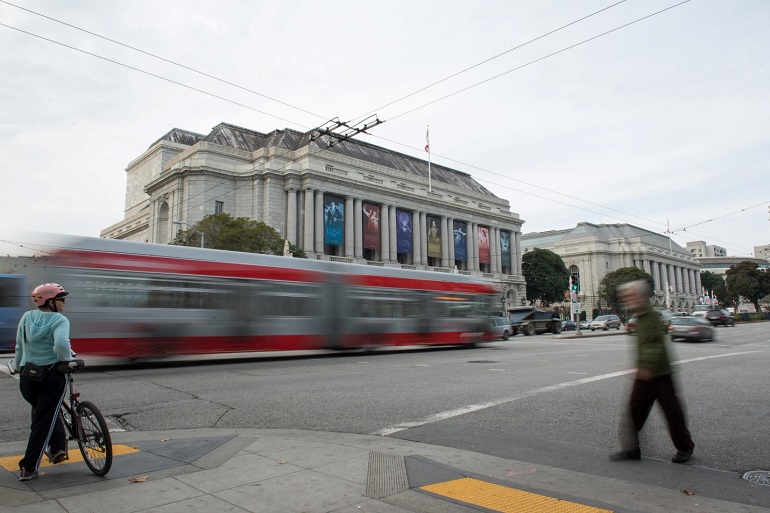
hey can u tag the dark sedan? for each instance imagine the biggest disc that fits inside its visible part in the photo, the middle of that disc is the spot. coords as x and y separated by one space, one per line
720 317
568 325
691 328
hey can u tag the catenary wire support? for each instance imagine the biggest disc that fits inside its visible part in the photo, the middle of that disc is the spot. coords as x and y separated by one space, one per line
340 131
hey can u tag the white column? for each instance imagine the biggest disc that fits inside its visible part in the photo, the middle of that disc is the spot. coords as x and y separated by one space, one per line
656 274
444 242
671 278
423 239
393 235
416 238
358 228
384 233
516 256
678 275
469 245
349 227
686 280
698 284
319 222
309 215
498 252
291 217
450 242
476 263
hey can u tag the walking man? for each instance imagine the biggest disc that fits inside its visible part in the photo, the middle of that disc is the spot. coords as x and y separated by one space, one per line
653 380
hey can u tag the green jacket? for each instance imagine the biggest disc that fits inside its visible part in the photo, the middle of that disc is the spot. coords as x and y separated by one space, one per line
651 346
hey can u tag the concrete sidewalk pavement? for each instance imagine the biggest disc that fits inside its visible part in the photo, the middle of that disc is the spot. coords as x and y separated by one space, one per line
237 470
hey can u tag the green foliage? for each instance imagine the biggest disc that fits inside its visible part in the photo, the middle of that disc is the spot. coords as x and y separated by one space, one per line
222 231
710 281
747 280
547 276
609 284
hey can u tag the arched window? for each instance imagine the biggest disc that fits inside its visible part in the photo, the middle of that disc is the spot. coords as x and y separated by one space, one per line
163 226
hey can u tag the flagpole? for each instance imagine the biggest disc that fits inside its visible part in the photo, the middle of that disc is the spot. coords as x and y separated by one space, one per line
427 148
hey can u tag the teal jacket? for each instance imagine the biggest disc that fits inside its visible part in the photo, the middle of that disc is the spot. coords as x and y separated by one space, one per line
651 345
47 339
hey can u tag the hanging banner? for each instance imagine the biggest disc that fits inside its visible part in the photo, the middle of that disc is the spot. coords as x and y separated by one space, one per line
334 221
404 231
434 236
505 248
483 245
371 223
461 240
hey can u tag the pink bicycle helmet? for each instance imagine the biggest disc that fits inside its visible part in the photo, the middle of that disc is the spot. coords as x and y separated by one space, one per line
46 291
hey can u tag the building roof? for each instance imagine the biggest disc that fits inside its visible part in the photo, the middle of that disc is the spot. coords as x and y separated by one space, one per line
249 140
599 233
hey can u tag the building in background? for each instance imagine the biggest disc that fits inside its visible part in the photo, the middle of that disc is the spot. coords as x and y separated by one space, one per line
720 265
700 249
762 251
351 201
592 251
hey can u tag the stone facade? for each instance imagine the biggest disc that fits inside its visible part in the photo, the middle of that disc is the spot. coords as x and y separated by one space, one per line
285 180
592 251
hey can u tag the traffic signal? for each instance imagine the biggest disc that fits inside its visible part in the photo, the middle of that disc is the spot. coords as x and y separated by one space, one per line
575 283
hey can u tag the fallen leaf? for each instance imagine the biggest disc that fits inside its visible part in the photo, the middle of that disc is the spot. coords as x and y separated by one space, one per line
139 479
165 439
280 462
687 492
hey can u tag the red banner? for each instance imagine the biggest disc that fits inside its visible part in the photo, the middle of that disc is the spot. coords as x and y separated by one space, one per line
371 225
483 245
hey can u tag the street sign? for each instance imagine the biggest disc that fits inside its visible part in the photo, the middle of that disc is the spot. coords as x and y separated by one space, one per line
576 308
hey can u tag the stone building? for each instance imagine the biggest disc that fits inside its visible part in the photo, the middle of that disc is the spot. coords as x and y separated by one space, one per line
347 201
700 249
592 251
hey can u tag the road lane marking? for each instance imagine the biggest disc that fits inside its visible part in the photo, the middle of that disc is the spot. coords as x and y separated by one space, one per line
456 412
504 499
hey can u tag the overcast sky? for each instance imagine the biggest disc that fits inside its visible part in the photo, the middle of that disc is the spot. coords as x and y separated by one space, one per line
667 118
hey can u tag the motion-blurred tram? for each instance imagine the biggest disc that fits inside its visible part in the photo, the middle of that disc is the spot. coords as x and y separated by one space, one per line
133 300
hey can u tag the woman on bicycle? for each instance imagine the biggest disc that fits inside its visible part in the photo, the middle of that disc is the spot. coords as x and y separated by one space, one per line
43 339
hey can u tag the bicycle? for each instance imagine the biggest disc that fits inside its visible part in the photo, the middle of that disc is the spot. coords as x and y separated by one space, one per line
83 422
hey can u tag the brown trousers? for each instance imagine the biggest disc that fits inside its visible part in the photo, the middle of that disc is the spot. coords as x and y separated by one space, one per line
643 396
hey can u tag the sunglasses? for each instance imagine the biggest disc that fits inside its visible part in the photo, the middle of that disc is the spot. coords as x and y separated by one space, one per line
62 299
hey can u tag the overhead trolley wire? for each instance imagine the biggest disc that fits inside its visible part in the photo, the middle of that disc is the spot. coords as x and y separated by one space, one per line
535 61
189 68
487 60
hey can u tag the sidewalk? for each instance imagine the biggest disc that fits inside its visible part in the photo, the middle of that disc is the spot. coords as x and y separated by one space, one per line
235 470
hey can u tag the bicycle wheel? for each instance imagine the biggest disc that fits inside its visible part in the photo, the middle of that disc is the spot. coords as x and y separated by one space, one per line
94 439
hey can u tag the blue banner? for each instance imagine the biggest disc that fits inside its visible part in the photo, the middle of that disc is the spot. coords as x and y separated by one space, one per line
505 248
334 221
404 231
461 240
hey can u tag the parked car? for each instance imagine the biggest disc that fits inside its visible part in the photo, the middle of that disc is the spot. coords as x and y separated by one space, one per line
605 322
717 317
585 324
631 325
691 328
499 329
700 310
567 325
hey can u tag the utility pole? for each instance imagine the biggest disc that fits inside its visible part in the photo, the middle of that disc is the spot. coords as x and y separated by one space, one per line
668 286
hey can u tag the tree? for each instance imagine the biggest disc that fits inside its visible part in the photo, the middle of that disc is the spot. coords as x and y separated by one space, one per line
546 275
747 280
711 281
222 231
609 284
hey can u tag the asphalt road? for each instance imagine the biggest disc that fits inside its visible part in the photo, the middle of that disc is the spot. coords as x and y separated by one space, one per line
539 399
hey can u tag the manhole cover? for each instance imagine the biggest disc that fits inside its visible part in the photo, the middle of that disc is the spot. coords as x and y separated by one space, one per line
482 361
761 477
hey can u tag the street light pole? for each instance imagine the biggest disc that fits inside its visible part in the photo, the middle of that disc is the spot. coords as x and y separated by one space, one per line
193 229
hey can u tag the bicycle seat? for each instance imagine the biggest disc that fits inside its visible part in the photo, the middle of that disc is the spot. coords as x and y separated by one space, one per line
70 366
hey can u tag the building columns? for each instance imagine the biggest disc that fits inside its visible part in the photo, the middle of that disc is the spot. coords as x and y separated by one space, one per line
384 233
349 237
416 238
473 236
450 235
307 242
358 229
423 239
319 222
393 235
291 217
444 242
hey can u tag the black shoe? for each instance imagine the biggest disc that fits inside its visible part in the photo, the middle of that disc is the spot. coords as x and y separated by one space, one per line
631 454
682 456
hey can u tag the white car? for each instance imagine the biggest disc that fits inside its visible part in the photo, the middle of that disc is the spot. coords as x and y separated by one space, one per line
700 310
605 322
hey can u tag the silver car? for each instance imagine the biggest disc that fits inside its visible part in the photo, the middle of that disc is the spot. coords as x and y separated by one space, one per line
499 329
605 322
691 328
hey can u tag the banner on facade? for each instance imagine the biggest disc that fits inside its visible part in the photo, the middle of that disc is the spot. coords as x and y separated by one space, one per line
434 236
483 245
460 230
404 231
505 248
371 218
334 221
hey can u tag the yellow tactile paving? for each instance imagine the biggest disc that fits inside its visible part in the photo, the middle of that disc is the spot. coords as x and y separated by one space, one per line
11 463
504 499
